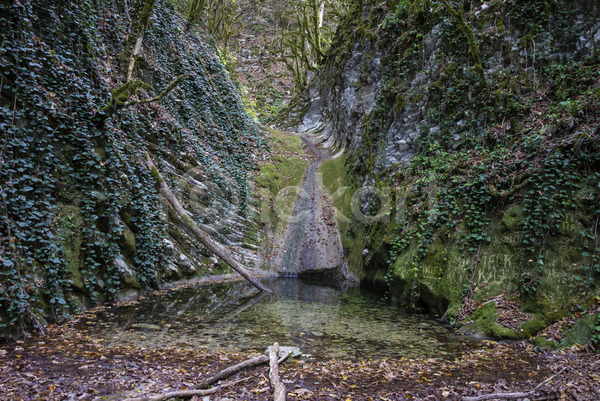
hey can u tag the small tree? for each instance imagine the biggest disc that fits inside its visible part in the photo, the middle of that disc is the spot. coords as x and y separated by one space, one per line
219 18
142 10
305 44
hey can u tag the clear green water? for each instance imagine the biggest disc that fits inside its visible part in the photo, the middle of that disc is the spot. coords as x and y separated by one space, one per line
325 321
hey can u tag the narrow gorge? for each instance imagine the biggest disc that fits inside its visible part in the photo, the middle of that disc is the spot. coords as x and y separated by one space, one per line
401 196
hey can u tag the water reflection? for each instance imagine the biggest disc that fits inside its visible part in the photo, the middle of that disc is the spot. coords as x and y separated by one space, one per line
324 320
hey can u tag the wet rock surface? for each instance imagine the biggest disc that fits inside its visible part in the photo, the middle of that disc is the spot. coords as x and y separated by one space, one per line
311 245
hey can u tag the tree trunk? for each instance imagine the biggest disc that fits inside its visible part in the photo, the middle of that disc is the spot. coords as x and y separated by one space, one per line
225 373
133 45
203 237
203 389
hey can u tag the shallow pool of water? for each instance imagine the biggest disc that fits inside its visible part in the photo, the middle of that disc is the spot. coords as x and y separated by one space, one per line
323 320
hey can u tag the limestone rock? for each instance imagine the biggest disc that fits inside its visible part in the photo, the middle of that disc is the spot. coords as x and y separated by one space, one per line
293 351
124 269
185 264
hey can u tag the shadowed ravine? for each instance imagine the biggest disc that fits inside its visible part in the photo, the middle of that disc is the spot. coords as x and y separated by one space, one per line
311 243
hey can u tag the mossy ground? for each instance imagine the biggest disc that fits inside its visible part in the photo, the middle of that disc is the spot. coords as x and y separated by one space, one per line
282 172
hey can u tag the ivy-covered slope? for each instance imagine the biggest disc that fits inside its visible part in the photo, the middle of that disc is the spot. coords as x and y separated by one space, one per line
81 218
481 120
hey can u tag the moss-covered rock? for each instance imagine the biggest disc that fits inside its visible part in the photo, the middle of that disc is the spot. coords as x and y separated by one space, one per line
544 343
69 227
531 327
512 220
128 243
580 332
484 322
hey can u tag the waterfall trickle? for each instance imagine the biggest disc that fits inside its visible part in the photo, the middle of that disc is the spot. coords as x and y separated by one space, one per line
309 245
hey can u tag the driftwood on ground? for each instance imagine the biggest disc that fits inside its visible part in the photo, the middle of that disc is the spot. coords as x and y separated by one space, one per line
225 373
279 392
512 396
203 388
203 237
185 393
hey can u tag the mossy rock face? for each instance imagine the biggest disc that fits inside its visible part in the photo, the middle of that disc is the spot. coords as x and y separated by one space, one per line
128 242
128 295
571 224
512 219
338 187
69 226
283 172
484 322
446 270
562 263
551 310
354 244
544 343
532 327
127 274
251 233
580 332
434 303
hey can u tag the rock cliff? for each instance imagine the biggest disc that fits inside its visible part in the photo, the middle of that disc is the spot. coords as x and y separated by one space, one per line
477 123
81 217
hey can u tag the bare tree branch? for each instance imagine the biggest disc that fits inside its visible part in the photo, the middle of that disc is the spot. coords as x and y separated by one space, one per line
202 236
512 396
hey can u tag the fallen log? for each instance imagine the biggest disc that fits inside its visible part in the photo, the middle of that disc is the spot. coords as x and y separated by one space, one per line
173 394
512 396
279 392
203 237
185 393
225 373
203 388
